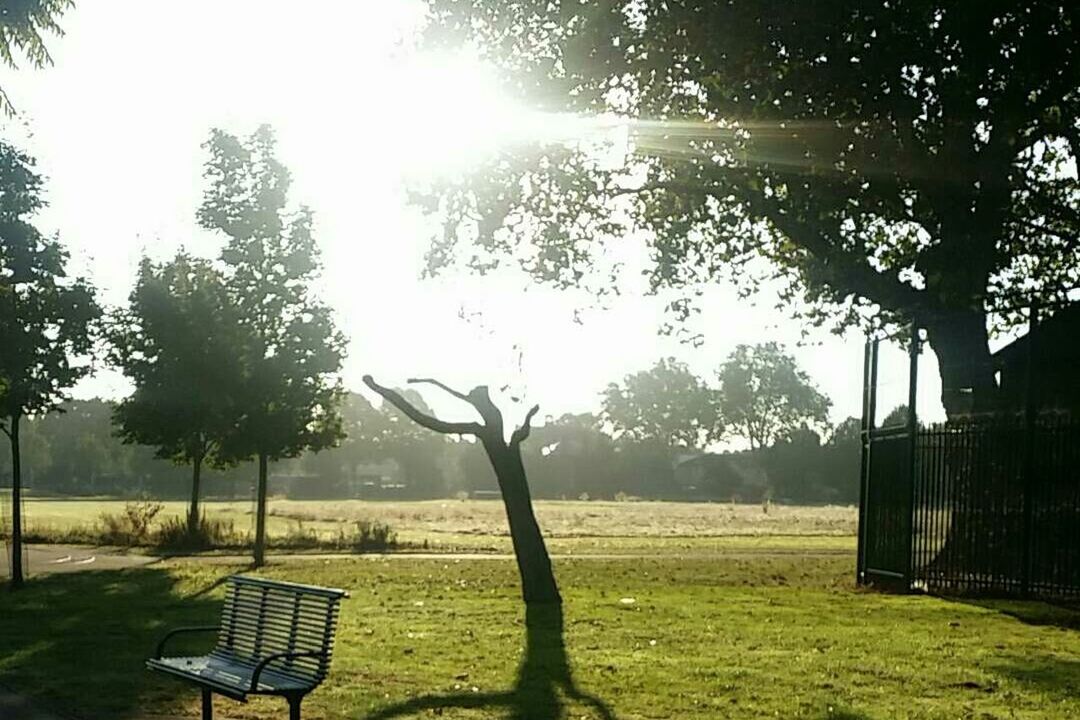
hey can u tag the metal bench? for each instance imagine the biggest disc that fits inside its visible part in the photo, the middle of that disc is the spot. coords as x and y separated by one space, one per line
275 638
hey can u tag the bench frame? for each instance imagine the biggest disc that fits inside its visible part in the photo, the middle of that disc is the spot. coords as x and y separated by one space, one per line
237 691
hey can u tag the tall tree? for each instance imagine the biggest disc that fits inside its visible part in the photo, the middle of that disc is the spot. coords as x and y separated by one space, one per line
289 352
46 319
538 585
665 404
177 342
23 26
764 394
886 159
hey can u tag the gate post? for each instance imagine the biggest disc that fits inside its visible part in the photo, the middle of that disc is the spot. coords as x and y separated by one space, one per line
1029 452
913 437
869 408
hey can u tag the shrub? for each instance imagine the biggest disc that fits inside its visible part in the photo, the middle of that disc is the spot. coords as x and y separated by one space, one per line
132 526
174 534
298 537
371 535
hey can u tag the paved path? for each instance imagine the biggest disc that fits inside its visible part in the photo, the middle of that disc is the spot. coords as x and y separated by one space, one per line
45 559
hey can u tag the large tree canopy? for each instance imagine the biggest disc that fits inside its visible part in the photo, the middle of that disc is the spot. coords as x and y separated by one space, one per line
765 396
891 159
665 404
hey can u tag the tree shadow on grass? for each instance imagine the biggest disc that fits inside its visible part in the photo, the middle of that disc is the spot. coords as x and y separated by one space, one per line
77 642
1058 677
543 678
1032 612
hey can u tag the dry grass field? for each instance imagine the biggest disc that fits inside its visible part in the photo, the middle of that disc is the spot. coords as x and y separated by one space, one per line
480 525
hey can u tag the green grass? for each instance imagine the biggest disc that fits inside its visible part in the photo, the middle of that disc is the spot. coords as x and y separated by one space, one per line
728 636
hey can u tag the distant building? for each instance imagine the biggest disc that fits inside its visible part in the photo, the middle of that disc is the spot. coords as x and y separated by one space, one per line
731 476
1055 372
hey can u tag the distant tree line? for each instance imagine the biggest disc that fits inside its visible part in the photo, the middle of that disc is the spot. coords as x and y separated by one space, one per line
78 452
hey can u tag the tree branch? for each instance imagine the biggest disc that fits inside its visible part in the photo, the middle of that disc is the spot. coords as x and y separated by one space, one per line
422 418
436 383
522 433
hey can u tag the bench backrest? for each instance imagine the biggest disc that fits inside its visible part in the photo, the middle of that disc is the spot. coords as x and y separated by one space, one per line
264 617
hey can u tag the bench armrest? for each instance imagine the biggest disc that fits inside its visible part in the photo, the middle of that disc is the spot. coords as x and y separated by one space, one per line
279 656
181 631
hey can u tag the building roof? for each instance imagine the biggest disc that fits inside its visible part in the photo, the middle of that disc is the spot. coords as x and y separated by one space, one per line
1057 336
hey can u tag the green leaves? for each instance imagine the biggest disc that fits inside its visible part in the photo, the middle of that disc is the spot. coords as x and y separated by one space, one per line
764 396
177 342
23 25
288 352
47 319
666 404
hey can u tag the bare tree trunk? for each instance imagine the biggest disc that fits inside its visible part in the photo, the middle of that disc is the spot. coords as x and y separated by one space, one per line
961 343
538 584
16 507
969 391
534 564
260 515
193 511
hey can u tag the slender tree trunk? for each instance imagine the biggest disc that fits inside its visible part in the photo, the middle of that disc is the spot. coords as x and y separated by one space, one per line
196 479
534 564
16 507
260 515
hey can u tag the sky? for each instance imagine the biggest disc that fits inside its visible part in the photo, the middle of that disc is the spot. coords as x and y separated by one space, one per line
117 125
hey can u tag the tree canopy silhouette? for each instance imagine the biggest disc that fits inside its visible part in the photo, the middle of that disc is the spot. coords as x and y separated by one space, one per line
765 395
46 318
885 160
289 351
665 404
177 342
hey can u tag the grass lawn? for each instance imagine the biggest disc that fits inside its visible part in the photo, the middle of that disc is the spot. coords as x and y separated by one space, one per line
755 636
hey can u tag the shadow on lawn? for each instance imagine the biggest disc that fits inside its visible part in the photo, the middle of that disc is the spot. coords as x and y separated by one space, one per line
78 641
543 675
1032 612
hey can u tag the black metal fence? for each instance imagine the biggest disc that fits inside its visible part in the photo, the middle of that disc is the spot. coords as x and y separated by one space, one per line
988 506
996 507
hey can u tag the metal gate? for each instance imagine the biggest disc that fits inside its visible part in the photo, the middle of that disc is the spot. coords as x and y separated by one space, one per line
886 504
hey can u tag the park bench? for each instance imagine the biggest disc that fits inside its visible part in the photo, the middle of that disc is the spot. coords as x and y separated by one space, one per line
274 638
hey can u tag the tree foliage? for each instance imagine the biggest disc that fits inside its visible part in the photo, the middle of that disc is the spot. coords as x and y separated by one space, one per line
289 351
46 318
176 341
765 396
888 159
23 27
666 404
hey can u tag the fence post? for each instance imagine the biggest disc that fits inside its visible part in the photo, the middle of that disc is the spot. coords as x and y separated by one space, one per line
1029 450
913 436
866 422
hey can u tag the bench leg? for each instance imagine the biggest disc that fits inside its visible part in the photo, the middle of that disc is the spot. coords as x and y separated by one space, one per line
294 706
207 705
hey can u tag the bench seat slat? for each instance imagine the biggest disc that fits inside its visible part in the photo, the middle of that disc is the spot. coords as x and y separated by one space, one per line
229 678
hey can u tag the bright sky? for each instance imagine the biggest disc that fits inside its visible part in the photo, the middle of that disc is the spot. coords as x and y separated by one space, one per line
117 127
